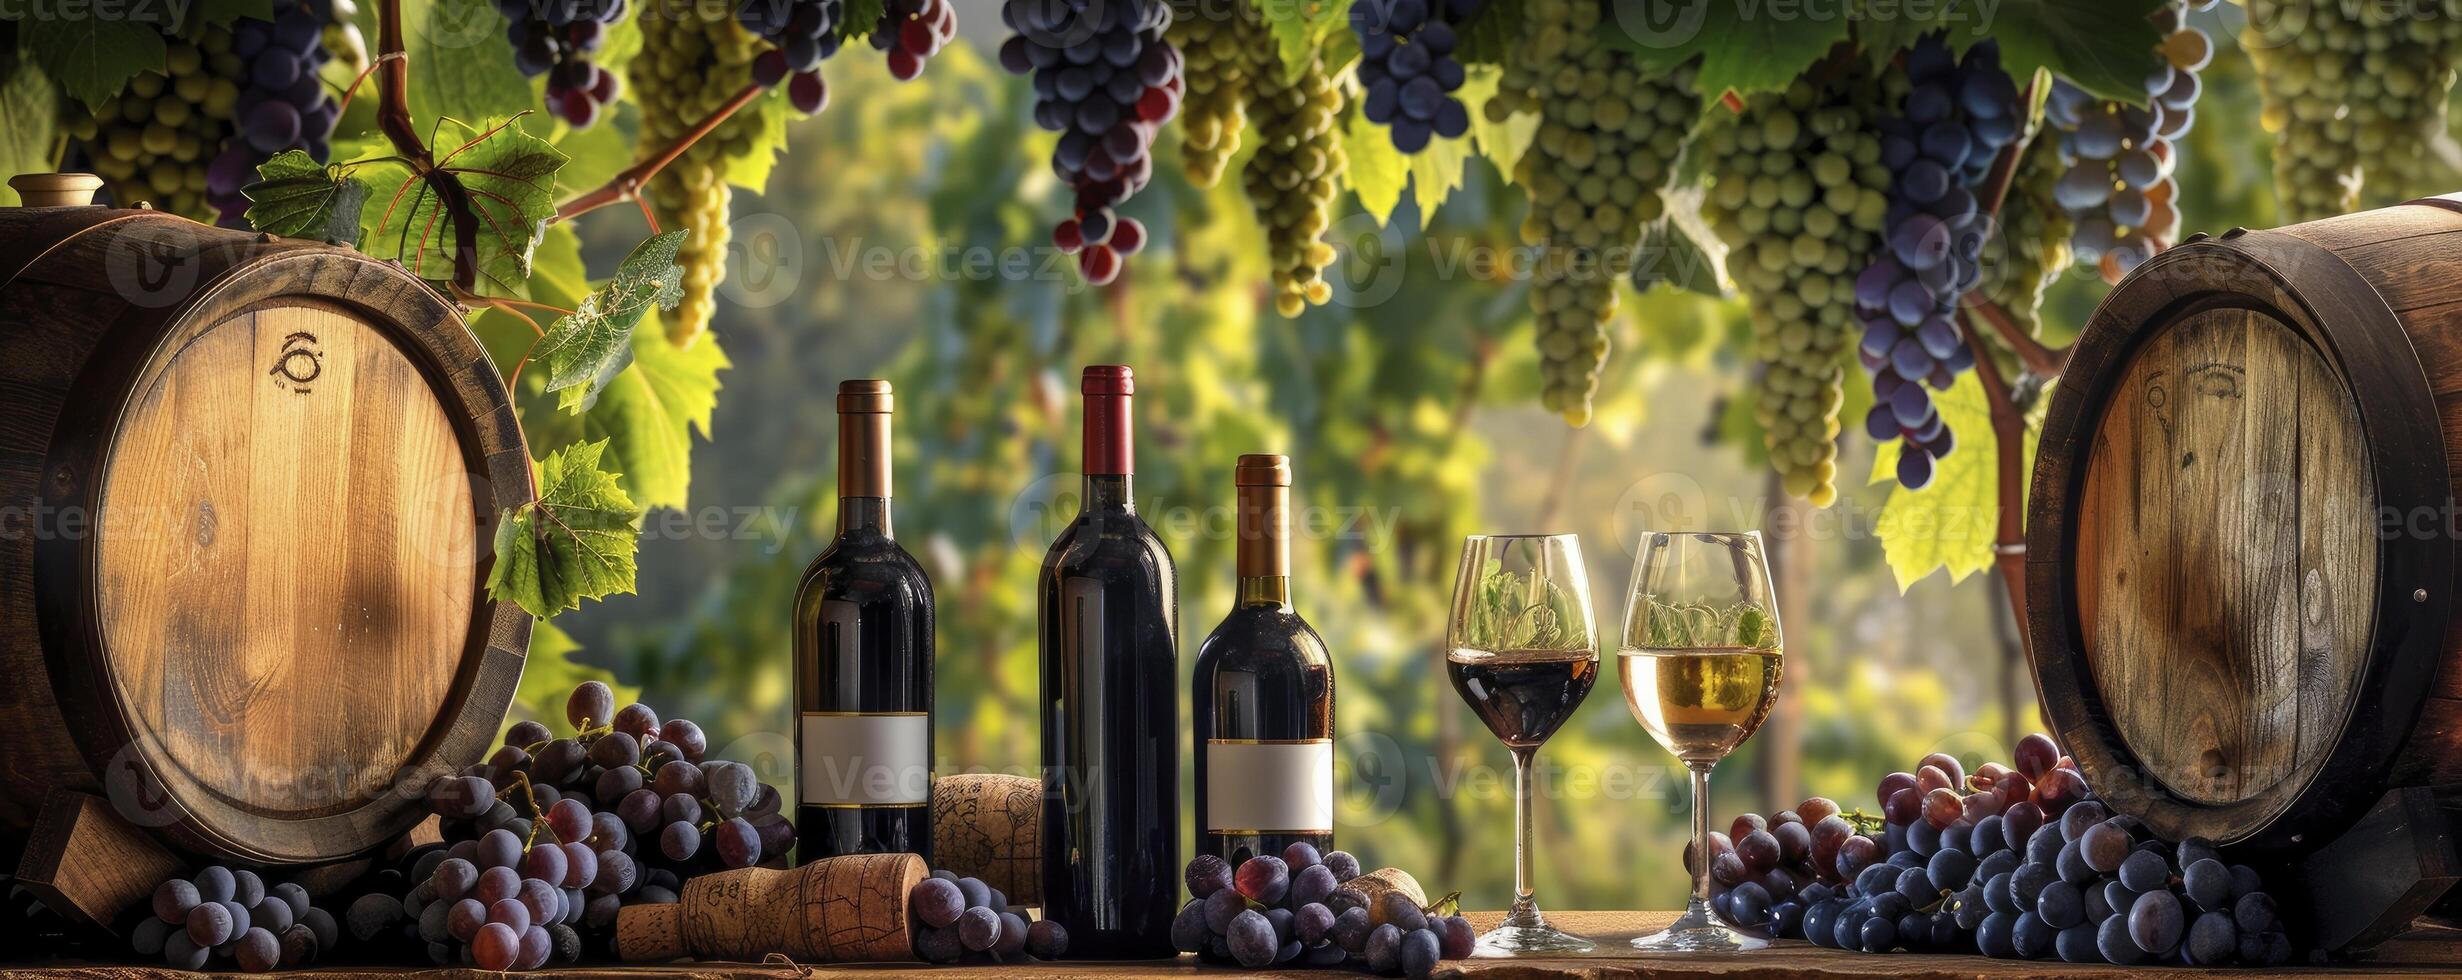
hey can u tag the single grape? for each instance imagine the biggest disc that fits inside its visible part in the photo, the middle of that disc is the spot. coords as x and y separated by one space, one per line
1263 878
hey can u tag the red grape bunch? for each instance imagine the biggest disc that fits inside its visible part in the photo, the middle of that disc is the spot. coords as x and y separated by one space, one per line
911 32
1301 908
222 915
801 34
2013 861
556 38
560 832
962 919
1106 80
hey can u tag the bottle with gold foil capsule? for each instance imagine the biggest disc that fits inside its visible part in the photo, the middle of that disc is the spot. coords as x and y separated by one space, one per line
1263 694
863 662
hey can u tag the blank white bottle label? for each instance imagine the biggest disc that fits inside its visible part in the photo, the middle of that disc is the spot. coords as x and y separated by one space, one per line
1269 787
866 759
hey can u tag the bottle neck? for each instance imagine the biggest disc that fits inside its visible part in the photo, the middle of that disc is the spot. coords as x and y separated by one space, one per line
1108 449
1108 493
1263 554
864 514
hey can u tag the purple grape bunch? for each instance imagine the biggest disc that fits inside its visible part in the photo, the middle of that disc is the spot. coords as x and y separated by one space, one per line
1106 80
1408 68
556 834
282 103
1956 117
962 919
557 38
2118 187
225 915
801 35
1298 908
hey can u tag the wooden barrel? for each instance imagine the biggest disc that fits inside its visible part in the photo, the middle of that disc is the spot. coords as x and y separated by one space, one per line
247 488
2241 534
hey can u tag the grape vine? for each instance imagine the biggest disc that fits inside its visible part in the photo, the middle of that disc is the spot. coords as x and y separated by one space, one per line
692 54
1295 176
1608 137
2353 93
1954 119
1798 193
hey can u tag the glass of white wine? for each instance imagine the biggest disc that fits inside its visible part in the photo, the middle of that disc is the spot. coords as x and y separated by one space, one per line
1701 658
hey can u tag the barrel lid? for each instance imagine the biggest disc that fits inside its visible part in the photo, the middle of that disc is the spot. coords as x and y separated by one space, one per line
2227 643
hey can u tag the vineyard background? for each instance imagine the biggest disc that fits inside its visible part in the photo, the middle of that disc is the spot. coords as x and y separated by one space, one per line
905 233
1413 396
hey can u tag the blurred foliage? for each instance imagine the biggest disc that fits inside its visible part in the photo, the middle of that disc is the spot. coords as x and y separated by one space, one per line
901 237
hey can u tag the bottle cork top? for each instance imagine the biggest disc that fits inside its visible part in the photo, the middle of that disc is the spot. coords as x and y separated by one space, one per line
1262 470
1108 379
863 396
55 190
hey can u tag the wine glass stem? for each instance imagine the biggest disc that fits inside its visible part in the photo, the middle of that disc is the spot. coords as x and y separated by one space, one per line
1525 897
1701 831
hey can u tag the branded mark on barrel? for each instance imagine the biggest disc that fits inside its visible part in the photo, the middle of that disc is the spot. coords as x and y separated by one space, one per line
299 364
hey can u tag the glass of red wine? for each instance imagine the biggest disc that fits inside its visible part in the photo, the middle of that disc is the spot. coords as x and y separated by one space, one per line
1522 649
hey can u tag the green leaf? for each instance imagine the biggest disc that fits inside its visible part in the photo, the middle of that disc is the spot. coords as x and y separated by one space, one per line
1744 46
93 57
29 124
511 178
1949 525
584 349
1301 27
460 67
647 415
577 541
2102 46
1378 173
1501 143
750 170
1490 34
297 197
1681 253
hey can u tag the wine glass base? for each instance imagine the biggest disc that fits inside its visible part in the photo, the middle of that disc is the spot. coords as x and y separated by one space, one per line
1538 940
1701 938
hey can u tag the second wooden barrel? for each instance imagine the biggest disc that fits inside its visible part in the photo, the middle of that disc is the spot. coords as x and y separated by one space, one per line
2241 534
247 488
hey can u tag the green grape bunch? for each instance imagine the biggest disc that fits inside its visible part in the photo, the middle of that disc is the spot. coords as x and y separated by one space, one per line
155 140
1221 43
1798 193
2033 243
1608 137
2354 94
694 57
1295 175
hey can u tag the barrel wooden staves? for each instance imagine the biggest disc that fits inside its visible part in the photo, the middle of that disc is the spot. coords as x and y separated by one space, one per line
247 488
2241 536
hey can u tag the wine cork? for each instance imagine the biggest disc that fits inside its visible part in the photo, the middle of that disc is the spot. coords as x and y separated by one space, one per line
990 826
849 909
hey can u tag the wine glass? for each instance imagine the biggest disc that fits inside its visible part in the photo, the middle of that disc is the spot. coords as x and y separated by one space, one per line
1701 657
1522 649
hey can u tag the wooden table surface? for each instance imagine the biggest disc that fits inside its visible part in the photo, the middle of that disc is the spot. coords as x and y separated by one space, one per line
2436 953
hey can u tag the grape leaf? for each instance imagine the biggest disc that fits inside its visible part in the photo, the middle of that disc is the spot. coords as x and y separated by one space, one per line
750 170
297 197
460 67
584 349
1490 34
1745 46
1679 251
511 178
29 122
1501 143
577 541
2103 46
1377 172
1949 525
93 57
1300 28
648 413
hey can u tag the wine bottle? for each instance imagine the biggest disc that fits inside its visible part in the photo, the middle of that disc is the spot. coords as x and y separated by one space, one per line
1263 694
1109 619
863 662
